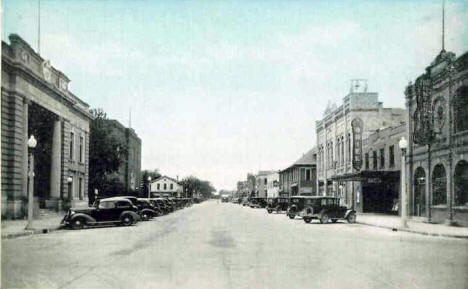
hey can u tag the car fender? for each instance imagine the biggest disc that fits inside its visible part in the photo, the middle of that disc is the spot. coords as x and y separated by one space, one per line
150 211
88 218
135 216
349 212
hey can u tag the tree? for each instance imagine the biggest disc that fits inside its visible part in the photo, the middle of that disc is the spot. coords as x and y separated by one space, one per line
154 174
106 153
193 186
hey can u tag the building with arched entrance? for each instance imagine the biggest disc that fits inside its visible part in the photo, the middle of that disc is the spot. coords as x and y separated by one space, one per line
36 101
437 162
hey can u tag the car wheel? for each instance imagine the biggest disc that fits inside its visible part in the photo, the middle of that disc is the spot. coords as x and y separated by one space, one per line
127 220
351 218
307 220
324 219
334 220
292 216
270 211
78 223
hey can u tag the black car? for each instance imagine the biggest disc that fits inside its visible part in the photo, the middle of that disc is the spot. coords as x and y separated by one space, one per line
147 209
277 204
325 209
117 211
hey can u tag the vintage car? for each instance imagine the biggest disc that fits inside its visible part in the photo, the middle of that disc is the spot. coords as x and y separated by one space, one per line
257 202
277 204
325 209
245 201
117 211
147 209
161 204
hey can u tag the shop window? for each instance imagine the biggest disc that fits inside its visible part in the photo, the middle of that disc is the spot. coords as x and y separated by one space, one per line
419 205
461 184
461 109
439 186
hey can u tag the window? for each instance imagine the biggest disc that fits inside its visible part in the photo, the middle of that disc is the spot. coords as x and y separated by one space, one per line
307 176
80 188
265 181
158 186
122 205
461 109
72 144
172 186
81 149
165 186
106 205
382 158
439 186
374 159
367 161
391 155
349 147
461 184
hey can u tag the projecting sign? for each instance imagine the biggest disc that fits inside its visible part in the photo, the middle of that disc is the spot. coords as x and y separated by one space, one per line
356 126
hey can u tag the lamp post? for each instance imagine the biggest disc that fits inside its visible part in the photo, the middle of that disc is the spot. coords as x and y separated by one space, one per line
403 144
149 187
31 146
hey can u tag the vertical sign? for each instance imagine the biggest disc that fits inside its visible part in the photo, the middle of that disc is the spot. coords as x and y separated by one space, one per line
356 126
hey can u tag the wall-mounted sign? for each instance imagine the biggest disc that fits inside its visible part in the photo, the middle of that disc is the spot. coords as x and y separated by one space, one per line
357 127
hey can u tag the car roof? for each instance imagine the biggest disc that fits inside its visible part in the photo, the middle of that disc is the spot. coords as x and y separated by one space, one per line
115 199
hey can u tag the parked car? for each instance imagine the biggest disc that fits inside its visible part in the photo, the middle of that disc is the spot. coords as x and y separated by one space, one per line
325 209
117 211
277 204
147 209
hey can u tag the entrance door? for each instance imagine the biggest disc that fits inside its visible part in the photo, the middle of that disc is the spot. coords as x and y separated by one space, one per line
419 201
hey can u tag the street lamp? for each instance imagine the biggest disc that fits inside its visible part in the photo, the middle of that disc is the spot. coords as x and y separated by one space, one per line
149 187
403 144
31 146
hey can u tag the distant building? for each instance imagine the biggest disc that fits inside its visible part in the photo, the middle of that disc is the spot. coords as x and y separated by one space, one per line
437 162
129 171
272 187
340 135
165 186
300 178
36 101
261 183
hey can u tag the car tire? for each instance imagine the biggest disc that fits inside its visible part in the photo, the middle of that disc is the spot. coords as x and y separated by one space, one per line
307 220
78 223
270 211
127 220
351 218
334 220
324 219
292 216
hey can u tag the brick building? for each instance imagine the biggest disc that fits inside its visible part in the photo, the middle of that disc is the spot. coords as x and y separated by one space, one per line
340 134
36 101
129 171
437 162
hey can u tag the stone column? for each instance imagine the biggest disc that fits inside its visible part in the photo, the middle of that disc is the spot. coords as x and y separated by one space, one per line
24 182
56 161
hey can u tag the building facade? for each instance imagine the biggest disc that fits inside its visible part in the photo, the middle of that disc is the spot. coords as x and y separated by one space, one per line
272 188
261 181
165 186
300 178
437 162
36 101
129 171
340 134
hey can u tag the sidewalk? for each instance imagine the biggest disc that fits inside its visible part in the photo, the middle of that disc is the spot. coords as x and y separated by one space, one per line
15 228
394 223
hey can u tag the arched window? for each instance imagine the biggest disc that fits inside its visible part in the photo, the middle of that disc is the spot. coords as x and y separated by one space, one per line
461 184
419 204
439 186
461 109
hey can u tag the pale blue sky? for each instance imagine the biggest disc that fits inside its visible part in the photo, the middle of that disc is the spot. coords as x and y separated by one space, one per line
222 88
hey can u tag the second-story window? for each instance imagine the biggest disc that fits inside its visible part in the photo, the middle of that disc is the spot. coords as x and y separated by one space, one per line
382 158
172 186
158 186
265 181
72 145
367 161
391 156
307 175
374 160
81 149
165 186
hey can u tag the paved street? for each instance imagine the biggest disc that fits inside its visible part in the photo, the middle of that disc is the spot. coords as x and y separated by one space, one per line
222 245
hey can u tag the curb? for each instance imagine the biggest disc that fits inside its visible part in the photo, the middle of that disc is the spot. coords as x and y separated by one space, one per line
415 232
30 232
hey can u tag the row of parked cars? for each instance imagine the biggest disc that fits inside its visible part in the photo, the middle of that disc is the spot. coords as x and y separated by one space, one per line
122 210
322 208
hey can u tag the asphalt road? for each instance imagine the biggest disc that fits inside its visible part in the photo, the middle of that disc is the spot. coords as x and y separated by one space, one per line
222 245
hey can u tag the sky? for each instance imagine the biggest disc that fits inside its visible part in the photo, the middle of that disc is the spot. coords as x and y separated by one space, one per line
218 89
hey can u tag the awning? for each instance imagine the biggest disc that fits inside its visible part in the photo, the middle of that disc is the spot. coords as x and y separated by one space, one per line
368 176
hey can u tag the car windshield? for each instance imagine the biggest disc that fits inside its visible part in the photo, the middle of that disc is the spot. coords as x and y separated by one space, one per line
106 205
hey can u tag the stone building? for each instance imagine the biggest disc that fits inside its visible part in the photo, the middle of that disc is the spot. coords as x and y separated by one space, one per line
165 186
129 171
300 178
340 134
272 187
36 101
377 183
437 162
